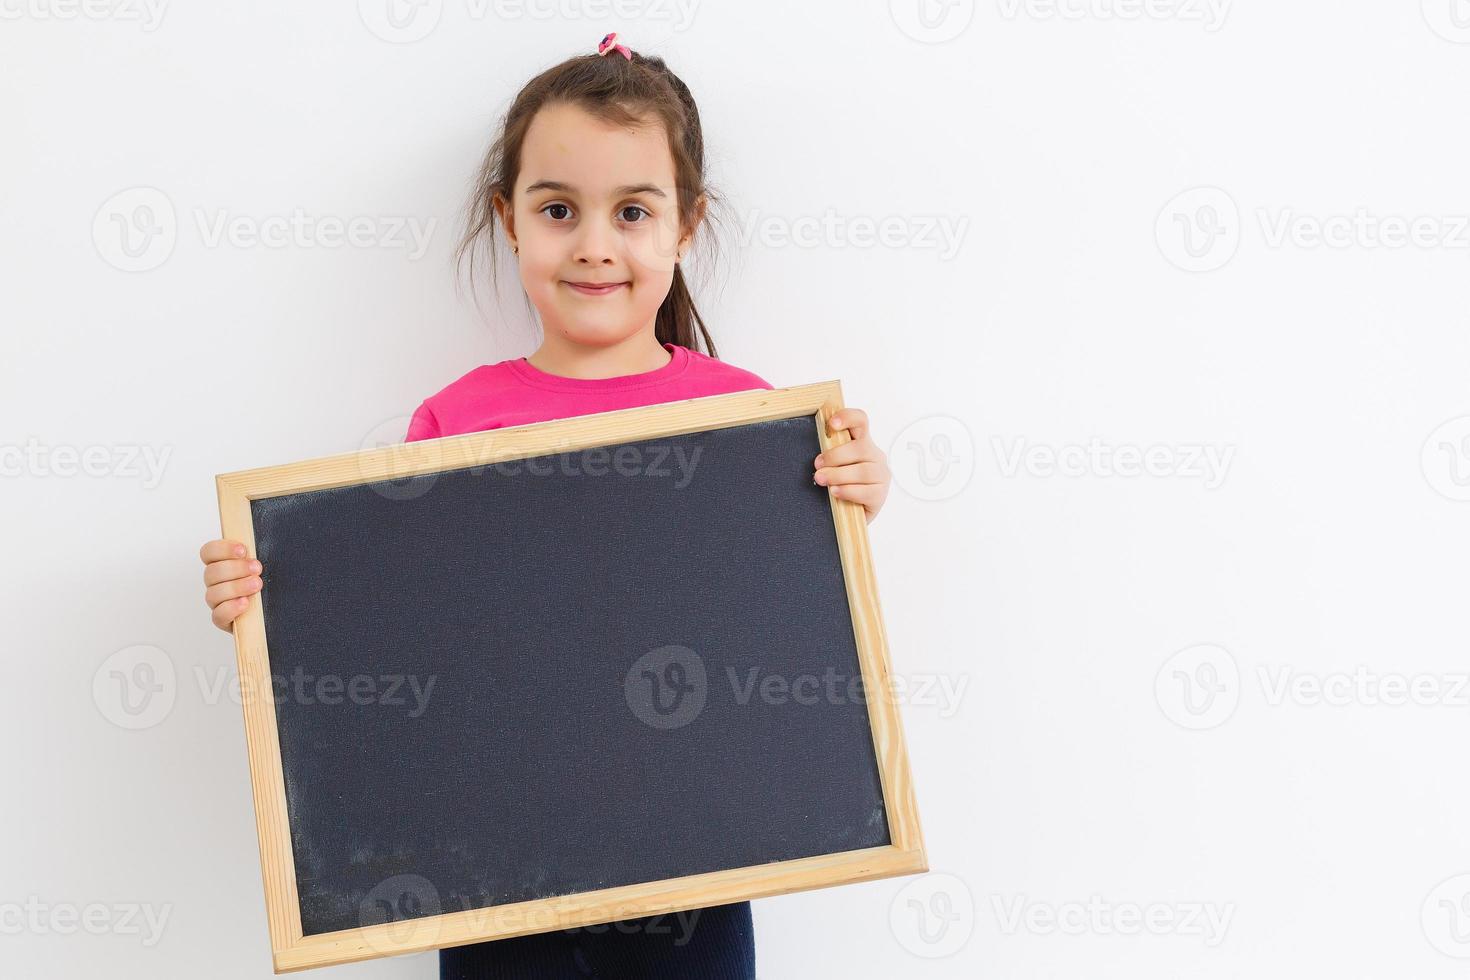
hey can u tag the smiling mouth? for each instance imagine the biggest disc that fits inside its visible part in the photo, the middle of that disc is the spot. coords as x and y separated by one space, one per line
595 289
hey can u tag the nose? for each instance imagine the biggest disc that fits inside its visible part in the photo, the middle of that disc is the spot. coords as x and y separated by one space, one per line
596 243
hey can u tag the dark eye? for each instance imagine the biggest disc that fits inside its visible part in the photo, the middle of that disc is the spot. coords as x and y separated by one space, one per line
557 207
636 211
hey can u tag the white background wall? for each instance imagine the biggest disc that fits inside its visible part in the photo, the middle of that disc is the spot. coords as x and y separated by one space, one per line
1138 199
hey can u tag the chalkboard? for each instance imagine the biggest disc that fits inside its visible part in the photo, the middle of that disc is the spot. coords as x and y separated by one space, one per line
507 679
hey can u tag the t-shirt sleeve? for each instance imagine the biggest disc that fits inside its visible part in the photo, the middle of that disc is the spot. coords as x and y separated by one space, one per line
423 425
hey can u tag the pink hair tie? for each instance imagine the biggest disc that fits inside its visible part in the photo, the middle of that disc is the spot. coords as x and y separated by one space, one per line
606 45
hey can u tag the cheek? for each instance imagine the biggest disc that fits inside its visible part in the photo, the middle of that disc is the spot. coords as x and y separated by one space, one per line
539 262
656 248
539 245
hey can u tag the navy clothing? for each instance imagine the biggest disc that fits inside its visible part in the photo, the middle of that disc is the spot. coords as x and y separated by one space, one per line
701 944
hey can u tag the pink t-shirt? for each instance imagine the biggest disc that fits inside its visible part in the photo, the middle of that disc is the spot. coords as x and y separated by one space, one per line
515 393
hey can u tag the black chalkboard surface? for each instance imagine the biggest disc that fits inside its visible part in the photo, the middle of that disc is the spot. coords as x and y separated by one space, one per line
562 673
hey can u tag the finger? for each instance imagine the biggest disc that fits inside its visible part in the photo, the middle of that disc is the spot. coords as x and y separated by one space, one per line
222 571
849 452
853 473
867 494
233 589
225 614
854 420
221 549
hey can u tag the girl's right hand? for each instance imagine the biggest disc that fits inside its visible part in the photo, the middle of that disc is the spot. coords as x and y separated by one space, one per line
230 580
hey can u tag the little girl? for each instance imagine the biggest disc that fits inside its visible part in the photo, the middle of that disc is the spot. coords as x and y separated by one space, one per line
597 179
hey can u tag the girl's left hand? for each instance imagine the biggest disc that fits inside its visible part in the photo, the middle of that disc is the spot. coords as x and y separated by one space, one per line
856 470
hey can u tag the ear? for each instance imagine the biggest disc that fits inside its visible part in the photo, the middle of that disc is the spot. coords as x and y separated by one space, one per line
696 218
506 214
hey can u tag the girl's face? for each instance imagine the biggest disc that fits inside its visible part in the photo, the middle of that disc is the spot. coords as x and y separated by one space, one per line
594 206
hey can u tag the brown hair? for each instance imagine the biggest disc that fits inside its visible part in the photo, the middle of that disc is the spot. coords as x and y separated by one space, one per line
624 92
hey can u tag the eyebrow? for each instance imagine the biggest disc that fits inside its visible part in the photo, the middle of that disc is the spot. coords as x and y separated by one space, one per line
625 191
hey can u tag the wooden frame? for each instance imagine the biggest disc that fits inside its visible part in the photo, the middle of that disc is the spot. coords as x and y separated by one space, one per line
291 950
